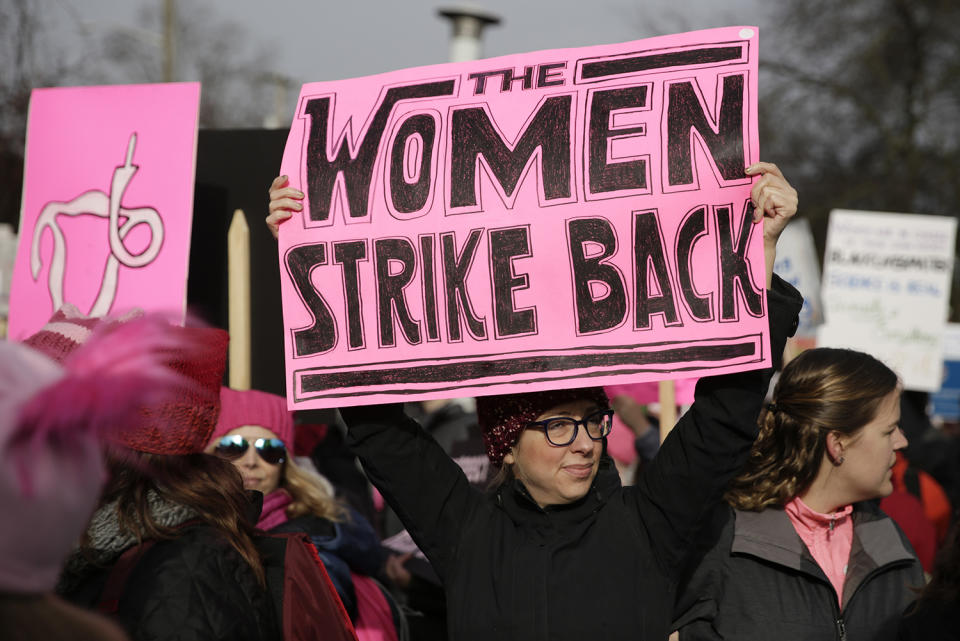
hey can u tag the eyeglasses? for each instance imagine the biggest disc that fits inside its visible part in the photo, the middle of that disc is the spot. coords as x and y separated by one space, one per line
232 447
562 430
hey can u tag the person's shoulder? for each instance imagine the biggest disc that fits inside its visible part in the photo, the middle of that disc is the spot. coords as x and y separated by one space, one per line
930 619
197 550
310 524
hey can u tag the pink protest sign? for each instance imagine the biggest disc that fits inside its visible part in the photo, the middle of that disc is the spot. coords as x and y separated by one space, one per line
547 220
107 201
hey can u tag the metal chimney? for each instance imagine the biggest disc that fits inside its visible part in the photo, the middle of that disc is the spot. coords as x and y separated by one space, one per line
468 23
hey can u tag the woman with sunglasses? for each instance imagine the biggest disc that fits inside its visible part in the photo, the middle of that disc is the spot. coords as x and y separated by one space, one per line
560 550
255 431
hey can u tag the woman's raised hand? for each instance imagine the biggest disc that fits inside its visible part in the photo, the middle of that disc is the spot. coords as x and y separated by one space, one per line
284 201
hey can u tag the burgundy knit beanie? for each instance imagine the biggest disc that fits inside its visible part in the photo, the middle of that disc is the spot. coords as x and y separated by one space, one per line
182 426
253 407
66 330
503 417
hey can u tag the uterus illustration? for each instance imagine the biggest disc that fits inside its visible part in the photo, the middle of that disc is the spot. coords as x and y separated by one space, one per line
121 221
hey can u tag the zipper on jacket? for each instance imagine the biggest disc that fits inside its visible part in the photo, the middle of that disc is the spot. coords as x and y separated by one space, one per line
841 629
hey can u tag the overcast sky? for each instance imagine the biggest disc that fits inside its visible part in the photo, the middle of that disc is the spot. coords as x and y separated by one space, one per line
326 40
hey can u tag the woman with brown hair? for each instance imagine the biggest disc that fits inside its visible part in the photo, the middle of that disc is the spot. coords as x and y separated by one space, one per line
169 552
171 549
54 420
803 549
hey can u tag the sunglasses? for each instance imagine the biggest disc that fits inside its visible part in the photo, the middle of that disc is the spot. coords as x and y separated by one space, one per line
271 450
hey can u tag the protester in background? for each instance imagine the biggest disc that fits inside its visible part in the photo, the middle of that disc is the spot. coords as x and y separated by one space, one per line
936 505
54 420
253 431
805 553
634 439
935 451
636 435
169 552
323 444
907 511
936 614
452 423
560 550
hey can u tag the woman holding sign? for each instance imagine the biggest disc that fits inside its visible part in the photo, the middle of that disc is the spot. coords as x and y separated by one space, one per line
559 550
804 550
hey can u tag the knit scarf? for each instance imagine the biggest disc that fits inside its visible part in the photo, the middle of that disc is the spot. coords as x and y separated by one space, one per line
274 511
107 540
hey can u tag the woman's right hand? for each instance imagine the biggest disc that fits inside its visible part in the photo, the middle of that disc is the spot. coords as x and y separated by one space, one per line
284 201
395 570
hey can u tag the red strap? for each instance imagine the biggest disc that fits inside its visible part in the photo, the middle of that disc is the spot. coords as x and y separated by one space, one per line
119 574
311 607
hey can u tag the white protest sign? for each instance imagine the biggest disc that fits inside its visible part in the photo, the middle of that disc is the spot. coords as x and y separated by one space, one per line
798 264
886 287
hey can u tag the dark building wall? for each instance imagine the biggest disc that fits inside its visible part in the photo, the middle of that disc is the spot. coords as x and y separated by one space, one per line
234 171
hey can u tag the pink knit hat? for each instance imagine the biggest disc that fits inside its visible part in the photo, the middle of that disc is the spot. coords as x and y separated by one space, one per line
54 419
183 424
503 417
253 407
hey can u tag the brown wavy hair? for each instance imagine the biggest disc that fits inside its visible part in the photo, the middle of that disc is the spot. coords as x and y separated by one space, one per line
212 487
822 390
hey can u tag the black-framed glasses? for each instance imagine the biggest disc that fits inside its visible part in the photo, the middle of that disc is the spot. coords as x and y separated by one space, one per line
233 446
562 430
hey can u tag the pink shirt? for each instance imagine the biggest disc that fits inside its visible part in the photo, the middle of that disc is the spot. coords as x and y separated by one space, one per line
829 538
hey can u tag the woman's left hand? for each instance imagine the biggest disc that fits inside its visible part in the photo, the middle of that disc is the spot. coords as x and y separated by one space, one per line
773 200
775 203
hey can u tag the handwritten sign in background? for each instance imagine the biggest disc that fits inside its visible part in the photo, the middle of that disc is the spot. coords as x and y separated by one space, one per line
798 264
130 148
886 287
554 219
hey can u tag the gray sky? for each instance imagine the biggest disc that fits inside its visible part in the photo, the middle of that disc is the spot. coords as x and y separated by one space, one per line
324 40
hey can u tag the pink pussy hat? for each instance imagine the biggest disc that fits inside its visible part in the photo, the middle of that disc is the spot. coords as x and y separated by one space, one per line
253 407
54 419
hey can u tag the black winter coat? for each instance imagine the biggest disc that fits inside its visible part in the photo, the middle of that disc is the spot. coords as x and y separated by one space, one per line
929 620
758 580
603 567
192 588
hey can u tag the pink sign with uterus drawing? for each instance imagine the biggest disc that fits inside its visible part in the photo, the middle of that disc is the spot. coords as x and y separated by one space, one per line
107 202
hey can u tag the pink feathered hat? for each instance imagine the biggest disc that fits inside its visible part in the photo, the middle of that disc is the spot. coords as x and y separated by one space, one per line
54 419
181 425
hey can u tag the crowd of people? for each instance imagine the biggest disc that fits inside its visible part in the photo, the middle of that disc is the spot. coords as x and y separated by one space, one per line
152 502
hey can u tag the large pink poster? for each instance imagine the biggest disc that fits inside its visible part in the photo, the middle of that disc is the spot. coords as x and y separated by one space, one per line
546 220
107 201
